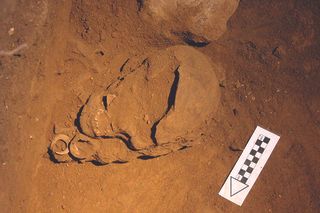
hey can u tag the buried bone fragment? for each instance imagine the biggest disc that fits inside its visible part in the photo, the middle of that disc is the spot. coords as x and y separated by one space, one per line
59 148
59 144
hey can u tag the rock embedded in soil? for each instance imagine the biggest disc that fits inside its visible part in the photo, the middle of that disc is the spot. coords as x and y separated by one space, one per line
199 18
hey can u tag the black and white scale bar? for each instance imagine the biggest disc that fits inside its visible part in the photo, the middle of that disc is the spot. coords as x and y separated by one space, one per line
249 165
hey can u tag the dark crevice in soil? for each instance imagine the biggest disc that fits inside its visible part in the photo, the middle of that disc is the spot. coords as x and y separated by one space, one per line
119 162
192 39
51 156
153 131
171 103
173 91
184 147
140 4
147 157
146 63
77 120
126 138
124 64
100 163
105 102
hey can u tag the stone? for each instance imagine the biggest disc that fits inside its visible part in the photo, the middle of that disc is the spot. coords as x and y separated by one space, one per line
203 18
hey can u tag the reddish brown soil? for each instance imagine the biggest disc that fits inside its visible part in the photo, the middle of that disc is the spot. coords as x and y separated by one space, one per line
270 54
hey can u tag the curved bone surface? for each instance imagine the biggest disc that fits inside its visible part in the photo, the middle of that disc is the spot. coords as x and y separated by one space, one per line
161 97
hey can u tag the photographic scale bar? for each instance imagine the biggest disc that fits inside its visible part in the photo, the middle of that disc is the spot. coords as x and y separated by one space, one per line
249 165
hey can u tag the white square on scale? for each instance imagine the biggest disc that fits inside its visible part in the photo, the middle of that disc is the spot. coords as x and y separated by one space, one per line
255 147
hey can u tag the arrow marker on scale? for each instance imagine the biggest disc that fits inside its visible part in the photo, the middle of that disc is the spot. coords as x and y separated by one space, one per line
236 186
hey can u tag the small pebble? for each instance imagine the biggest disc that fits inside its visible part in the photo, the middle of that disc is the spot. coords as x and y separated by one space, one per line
238 84
278 52
11 31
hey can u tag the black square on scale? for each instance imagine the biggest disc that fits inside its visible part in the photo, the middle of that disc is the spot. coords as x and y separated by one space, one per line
261 150
243 180
247 162
258 142
255 160
250 169
266 139
253 152
241 172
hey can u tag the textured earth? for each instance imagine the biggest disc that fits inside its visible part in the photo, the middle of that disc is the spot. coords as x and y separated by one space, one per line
57 55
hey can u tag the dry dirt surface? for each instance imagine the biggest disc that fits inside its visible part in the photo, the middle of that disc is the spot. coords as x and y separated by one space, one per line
54 55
